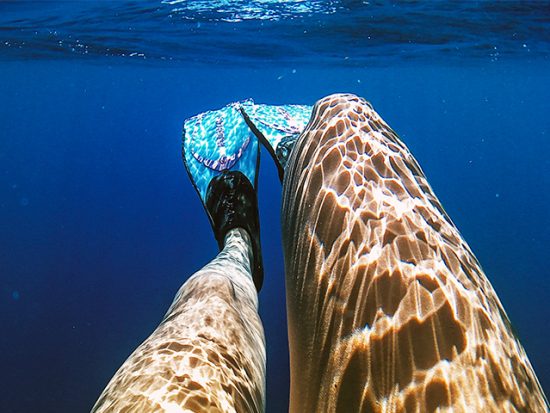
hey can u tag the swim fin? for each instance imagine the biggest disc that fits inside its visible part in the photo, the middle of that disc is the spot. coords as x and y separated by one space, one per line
222 157
277 128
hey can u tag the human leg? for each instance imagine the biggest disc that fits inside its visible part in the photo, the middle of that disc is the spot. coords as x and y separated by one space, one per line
208 353
388 308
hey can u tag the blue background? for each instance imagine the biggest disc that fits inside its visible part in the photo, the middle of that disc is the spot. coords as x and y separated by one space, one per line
99 225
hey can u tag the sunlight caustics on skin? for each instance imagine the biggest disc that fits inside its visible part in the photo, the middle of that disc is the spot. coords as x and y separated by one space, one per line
208 353
388 308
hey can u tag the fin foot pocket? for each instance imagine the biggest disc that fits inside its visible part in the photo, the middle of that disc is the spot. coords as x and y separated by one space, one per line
231 202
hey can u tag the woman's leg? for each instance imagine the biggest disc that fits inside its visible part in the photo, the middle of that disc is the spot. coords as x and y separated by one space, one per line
208 353
388 308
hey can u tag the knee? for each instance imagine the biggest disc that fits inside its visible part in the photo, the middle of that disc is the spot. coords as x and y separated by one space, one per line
338 103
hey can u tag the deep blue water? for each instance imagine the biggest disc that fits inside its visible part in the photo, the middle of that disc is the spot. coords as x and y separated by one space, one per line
99 225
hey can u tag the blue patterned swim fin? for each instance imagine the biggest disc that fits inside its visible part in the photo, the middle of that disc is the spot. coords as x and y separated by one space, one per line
277 128
216 141
222 156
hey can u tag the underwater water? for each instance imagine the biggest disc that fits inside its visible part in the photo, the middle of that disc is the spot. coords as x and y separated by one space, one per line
99 224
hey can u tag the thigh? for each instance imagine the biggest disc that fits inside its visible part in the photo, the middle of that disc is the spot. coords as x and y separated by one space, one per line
388 308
